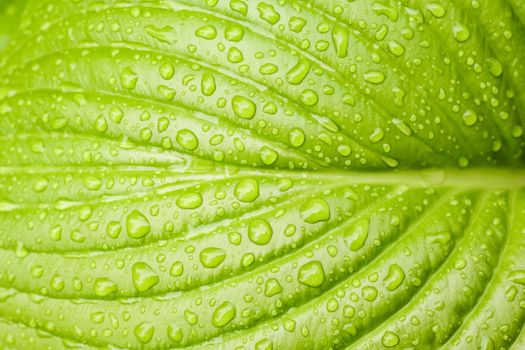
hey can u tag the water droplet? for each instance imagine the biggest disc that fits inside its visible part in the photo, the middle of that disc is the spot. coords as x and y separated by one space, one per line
113 229
268 13
161 34
191 317
128 78
296 137
207 32
208 86
187 139
190 200
116 114
394 278
517 276
436 10
260 232
272 287
309 97
234 33
239 6
289 325
358 235
143 276
137 225
212 257
315 210
247 190
470 118
166 71
332 305
389 339
234 55
495 67
268 155
223 314
402 126
369 293
176 269
460 32
396 48
340 41
296 24
175 333
104 287
57 283
296 75
264 344
374 77
92 182
243 107
311 274
268 69
377 135
144 332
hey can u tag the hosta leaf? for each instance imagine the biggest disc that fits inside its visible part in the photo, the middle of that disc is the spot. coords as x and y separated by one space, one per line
231 174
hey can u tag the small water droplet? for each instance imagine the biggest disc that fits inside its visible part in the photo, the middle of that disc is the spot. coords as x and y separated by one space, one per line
243 107
137 225
143 276
247 190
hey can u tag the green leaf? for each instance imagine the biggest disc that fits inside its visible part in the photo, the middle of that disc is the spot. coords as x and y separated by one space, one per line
231 174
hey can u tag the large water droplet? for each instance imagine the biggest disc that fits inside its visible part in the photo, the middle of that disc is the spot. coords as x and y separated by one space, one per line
190 200
315 210
143 276
137 225
394 278
311 274
358 235
223 314
260 232
212 257
187 139
243 107
144 332
247 190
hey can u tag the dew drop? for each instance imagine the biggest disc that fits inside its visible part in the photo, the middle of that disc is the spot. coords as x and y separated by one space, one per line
187 139
247 190
208 86
223 314
309 98
243 107
272 287
104 287
311 274
190 200
143 276
128 78
212 257
358 235
374 77
390 339
144 332
260 232
296 137
207 32
137 225
394 278
268 155
460 32
315 210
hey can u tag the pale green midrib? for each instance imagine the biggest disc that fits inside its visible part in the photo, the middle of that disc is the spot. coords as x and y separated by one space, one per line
482 178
